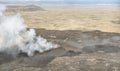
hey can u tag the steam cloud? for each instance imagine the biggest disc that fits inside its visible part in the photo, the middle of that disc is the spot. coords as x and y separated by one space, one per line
15 38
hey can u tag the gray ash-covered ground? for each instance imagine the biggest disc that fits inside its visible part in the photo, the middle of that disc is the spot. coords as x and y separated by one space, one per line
79 51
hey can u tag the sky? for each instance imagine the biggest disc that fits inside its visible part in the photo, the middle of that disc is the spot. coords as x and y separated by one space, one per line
67 1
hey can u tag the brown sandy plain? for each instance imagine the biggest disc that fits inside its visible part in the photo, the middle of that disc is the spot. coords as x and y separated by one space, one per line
106 20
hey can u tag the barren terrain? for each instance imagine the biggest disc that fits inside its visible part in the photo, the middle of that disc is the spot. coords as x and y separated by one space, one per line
81 19
89 41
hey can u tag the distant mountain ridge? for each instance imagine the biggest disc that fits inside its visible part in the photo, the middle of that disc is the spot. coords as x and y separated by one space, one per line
24 8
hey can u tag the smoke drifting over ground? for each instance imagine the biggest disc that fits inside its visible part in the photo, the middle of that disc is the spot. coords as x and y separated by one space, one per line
2 9
15 38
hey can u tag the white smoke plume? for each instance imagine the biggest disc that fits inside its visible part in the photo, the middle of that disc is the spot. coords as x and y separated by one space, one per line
15 38
2 9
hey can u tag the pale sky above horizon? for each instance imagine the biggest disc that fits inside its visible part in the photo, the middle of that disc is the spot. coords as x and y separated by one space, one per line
60 0
67 1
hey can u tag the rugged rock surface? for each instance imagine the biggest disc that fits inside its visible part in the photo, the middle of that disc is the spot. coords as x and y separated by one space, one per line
79 51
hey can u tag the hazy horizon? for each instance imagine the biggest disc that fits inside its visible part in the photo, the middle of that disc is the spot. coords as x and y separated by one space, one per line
59 2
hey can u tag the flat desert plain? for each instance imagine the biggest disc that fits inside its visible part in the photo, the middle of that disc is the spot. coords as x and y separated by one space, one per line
80 18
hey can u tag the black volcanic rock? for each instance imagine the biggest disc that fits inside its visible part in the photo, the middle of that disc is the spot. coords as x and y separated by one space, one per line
79 51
